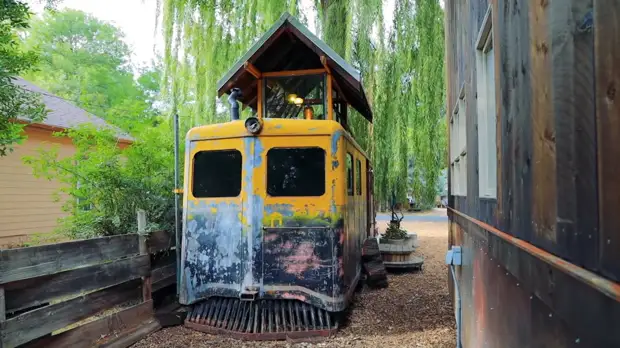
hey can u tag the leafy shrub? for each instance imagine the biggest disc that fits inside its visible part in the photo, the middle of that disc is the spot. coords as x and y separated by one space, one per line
104 184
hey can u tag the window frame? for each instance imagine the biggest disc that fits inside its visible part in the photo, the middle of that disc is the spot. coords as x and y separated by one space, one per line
486 109
193 174
358 177
296 148
458 146
350 175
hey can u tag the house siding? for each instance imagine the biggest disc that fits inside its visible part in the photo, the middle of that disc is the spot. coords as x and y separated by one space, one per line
27 204
552 235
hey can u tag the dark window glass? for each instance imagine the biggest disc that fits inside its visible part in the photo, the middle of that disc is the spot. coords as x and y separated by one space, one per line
358 177
217 174
296 172
349 174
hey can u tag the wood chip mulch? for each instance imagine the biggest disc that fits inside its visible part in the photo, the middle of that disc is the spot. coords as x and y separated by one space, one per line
414 311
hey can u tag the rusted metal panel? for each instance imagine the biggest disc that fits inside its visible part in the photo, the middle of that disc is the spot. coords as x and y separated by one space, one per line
521 296
305 257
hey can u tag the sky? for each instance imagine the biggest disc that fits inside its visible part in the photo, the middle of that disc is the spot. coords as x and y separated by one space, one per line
136 18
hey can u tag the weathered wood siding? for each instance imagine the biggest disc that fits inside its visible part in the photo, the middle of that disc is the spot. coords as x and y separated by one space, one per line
557 70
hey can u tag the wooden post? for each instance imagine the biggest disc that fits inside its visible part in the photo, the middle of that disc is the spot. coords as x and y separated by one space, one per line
144 250
330 103
2 312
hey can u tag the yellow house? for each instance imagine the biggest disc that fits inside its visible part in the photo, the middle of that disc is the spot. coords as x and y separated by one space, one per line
27 206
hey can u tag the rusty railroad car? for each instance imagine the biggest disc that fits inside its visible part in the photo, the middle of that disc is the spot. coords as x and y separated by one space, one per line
534 184
277 207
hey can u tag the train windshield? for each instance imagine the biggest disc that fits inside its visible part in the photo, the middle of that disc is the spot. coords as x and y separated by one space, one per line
217 173
293 172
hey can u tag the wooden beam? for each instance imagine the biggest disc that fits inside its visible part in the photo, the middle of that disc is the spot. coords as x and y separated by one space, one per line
292 73
160 241
259 96
100 331
330 102
33 292
24 263
325 65
249 67
40 322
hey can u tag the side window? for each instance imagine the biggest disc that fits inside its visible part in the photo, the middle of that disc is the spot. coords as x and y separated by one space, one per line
216 173
294 172
358 177
349 174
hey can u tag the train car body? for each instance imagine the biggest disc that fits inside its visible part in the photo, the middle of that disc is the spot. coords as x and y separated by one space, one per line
282 214
277 206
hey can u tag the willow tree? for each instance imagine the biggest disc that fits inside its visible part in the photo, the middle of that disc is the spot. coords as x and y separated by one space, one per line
401 72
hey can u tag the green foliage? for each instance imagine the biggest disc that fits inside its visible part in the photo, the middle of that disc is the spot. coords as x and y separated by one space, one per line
84 60
402 74
15 102
106 184
393 231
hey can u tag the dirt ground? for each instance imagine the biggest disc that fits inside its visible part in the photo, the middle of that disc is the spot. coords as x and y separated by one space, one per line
414 311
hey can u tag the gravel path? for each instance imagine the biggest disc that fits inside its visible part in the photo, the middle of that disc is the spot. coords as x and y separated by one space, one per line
414 311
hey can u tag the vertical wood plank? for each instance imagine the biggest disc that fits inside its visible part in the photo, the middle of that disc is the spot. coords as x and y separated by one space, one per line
543 203
259 98
330 102
573 108
497 216
607 52
144 250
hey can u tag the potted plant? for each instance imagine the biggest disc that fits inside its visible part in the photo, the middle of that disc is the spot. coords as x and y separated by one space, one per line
394 234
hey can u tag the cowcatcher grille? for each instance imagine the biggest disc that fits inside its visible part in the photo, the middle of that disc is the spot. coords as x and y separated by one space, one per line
261 319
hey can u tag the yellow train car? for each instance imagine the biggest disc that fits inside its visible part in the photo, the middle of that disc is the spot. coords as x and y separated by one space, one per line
277 207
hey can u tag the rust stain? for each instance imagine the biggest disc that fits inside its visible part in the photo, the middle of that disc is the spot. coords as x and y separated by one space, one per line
609 288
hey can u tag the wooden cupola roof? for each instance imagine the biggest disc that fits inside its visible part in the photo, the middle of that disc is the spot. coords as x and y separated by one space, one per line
289 45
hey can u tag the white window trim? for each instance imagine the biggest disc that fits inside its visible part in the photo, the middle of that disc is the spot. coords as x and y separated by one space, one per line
486 113
458 146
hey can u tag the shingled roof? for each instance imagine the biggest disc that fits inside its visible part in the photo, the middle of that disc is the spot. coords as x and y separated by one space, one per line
64 115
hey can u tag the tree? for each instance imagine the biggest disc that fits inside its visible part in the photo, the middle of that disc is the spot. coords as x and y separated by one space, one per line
402 71
86 61
15 102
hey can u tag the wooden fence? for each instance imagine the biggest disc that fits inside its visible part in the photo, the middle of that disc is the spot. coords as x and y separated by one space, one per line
49 288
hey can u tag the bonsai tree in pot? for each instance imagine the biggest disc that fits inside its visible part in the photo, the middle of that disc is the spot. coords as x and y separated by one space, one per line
394 234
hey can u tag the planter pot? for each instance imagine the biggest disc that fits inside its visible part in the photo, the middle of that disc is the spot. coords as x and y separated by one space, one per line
393 241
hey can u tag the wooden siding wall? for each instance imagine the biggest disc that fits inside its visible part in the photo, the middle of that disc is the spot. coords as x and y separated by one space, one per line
557 71
556 75
27 206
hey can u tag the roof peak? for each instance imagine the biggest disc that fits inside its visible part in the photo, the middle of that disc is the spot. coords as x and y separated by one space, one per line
348 78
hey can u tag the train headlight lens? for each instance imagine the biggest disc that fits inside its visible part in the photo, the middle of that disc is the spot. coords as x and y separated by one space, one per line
253 125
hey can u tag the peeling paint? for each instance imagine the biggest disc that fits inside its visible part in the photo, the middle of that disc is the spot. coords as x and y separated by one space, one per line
335 138
286 247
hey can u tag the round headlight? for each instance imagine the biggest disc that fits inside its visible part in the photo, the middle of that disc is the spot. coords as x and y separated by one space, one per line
253 125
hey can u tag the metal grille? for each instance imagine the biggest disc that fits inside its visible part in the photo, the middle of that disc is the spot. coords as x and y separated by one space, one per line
276 319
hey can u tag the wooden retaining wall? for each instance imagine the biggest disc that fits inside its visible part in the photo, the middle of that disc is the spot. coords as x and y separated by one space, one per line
47 288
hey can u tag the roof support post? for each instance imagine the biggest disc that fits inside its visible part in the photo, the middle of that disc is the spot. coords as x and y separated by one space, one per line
259 98
330 102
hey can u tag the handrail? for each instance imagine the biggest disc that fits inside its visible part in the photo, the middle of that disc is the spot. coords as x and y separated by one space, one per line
607 287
